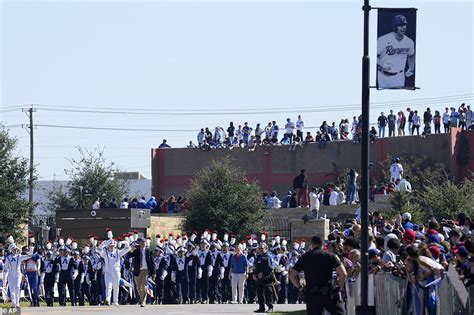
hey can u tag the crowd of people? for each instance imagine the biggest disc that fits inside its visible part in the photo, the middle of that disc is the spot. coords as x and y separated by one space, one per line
293 133
347 193
136 270
162 205
217 268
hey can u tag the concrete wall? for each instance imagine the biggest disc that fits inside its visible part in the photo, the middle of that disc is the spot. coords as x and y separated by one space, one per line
301 230
275 167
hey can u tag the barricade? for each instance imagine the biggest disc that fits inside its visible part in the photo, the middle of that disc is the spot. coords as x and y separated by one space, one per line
389 294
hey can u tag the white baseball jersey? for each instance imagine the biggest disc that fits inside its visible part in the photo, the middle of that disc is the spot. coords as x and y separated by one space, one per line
396 171
393 55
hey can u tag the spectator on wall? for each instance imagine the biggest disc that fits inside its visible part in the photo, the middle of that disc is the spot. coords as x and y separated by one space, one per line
300 183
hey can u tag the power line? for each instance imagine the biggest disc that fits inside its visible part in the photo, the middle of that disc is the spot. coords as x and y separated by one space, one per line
307 109
115 128
258 112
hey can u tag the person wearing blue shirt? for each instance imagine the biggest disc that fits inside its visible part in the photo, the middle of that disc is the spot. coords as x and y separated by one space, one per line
237 274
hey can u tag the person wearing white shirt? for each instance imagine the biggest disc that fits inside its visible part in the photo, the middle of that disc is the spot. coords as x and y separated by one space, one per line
96 204
314 204
446 120
12 273
201 137
124 204
333 198
396 170
405 185
299 127
290 127
273 201
111 256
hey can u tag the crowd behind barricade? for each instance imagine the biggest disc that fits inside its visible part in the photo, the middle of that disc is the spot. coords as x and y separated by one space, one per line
163 205
293 133
217 268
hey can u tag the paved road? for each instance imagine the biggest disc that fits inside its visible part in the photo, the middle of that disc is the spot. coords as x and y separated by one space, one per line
159 309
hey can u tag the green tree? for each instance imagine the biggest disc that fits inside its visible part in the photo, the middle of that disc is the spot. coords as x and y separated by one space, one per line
448 199
402 202
15 211
91 176
222 198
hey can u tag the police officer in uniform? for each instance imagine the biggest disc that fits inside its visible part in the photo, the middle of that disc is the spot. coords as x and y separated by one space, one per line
318 267
262 275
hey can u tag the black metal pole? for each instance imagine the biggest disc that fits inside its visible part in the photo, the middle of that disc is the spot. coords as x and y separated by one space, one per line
364 308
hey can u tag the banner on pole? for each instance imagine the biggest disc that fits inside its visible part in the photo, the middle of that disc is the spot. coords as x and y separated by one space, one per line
396 48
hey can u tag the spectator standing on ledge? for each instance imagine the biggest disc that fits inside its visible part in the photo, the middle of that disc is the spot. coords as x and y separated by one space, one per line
382 123
230 130
410 120
290 127
299 127
469 117
164 145
318 267
401 122
446 120
427 117
351 186
301 183
391 119
437 122
416 123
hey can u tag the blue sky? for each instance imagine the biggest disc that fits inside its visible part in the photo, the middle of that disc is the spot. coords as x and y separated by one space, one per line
214 56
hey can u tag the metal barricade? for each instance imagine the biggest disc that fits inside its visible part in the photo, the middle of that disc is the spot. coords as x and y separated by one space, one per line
389 293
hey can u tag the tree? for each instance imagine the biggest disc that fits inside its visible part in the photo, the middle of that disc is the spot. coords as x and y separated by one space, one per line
15 211
223 199
402 202
447 199
91 176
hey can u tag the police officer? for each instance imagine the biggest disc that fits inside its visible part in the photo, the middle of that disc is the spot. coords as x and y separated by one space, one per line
318 267
262 275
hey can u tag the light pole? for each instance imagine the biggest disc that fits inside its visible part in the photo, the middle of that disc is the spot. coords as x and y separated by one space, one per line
364 308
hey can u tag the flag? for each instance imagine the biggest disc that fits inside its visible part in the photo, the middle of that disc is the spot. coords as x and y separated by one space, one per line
150 288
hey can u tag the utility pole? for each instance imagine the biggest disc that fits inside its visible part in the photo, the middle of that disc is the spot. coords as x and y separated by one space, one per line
29 112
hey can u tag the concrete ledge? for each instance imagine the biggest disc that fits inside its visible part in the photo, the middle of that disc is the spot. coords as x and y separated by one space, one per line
301 230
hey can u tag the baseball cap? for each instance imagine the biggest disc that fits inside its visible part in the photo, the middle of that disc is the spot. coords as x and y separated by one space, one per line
409 236
373 252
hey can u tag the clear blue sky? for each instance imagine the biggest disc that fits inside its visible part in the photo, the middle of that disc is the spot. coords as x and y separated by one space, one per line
205 55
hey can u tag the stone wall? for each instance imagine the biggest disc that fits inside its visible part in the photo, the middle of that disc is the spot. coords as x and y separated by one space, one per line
301 230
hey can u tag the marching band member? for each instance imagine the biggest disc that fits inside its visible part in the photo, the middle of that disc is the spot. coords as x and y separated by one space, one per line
12 273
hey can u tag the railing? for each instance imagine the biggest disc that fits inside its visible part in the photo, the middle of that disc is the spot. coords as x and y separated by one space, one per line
389 295
41 220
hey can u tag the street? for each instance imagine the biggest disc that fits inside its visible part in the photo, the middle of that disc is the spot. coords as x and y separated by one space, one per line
195 309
